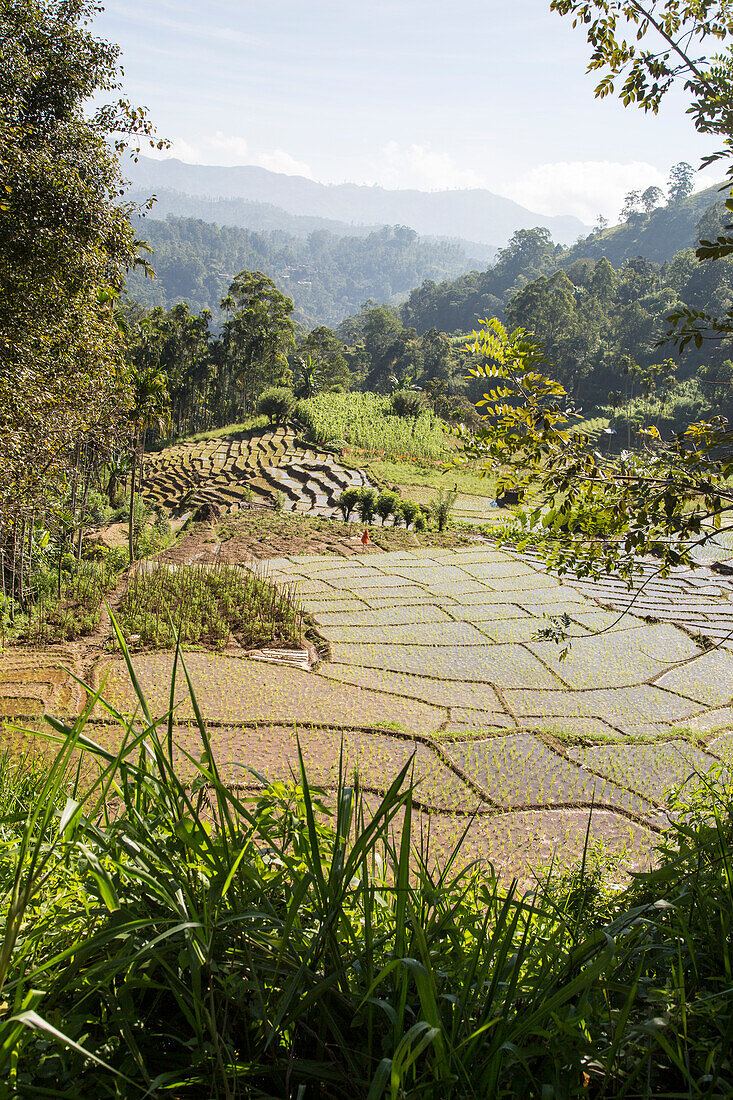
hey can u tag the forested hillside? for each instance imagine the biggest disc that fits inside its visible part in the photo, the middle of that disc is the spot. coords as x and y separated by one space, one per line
263 216
658 235
327 276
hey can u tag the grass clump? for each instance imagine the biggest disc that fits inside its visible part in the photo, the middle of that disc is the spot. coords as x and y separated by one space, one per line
207 605
442 507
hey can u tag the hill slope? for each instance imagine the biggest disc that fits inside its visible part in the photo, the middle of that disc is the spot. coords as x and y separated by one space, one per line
456 304
656 236
328 277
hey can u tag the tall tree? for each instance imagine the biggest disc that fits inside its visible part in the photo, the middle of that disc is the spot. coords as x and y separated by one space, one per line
651 198
65 244
672 497
326 353
680 183
632 202
258 335
150 408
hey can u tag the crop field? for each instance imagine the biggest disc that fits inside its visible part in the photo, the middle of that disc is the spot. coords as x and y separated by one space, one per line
262 466
208 604
428 655
36 681
363 422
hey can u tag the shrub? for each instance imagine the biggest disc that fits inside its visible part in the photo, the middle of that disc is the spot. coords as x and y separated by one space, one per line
387 504
420 522
162 523
277 403
442 506
348 501
75 612
366 504
141 513
97 511
410 510
408 403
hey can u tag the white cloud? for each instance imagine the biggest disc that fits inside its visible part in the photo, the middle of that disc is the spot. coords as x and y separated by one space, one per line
584 188
281 161
230 150
414 166
179 148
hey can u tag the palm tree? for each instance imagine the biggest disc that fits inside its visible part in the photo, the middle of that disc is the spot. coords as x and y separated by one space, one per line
311 376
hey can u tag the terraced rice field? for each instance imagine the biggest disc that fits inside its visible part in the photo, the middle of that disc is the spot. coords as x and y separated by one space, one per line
231 473
434 658
33 682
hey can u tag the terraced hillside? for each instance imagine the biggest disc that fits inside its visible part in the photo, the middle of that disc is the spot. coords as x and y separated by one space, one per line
34 681
251 469
433 655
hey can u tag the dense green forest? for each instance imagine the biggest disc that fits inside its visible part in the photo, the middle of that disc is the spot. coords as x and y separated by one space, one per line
658 235
330 273
327 276
603 332
602 324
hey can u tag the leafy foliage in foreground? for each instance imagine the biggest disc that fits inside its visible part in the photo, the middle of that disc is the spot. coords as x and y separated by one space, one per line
192 938
596 513
65 244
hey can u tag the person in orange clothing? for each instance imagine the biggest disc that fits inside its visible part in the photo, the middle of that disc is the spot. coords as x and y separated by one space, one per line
365 537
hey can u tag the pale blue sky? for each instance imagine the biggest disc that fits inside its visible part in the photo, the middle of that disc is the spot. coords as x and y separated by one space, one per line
404 94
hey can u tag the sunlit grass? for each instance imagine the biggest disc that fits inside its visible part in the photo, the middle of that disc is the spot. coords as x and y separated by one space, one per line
467 480
364 421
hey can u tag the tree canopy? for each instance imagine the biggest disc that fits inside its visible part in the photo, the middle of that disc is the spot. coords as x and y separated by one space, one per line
596 512
65 245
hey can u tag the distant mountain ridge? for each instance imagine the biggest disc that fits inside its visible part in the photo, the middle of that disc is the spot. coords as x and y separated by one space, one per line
474 215
263 217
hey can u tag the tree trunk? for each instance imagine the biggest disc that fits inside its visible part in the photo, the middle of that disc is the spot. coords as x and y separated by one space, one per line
85 496
131 528
5 598
74 490
30 543
13 570
112 486
21 571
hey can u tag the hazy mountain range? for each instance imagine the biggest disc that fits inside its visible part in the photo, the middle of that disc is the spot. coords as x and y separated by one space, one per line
236 196
210 223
